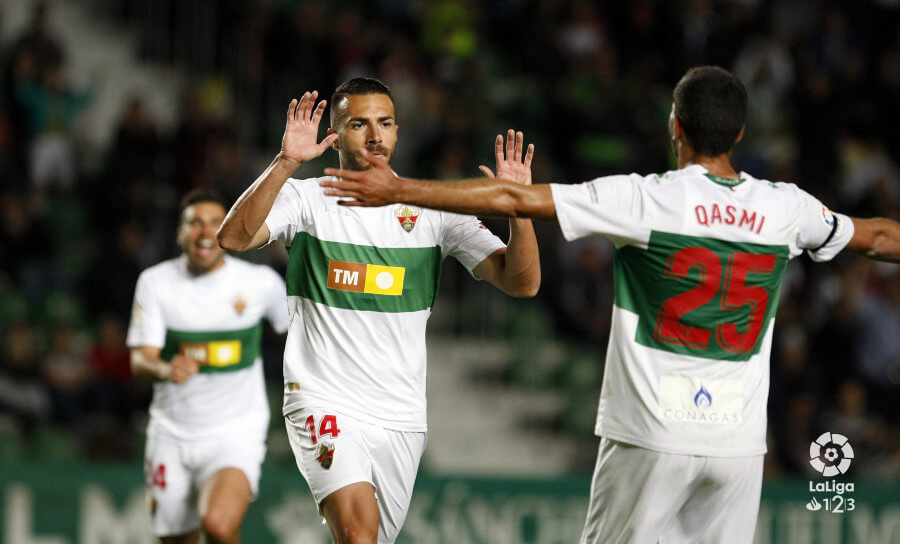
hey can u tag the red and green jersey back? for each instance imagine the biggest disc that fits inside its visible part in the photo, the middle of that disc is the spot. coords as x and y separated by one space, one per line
698 270
700 296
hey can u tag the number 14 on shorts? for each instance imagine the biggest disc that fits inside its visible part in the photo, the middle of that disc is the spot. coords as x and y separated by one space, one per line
327 425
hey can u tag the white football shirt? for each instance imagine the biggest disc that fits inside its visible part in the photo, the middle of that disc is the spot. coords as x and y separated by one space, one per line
361 283
698 267
215 318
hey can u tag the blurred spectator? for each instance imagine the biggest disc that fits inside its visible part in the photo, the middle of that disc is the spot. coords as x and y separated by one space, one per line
136 146
114 272
24 396
68 375
585 290
871 179
52 107
114 392
26 247
878 344
32 52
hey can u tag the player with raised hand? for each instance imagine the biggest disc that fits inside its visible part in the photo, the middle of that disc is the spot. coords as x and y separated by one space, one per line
700 255
360 286
511 165
196 331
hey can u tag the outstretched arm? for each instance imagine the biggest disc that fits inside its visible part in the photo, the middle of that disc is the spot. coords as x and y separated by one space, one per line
486 197
515 269
245 225
876 238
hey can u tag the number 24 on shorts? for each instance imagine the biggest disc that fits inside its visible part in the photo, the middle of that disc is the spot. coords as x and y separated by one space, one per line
328 425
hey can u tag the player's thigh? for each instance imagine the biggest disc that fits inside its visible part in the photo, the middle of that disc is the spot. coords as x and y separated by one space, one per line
635 493
224 499
170 485
723 506
352 514
244 452
396 456
330 450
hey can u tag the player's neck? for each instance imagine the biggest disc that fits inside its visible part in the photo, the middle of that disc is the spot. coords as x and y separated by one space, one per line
719 166
197 270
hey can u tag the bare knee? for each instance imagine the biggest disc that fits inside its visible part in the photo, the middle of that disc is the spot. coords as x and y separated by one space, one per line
221 528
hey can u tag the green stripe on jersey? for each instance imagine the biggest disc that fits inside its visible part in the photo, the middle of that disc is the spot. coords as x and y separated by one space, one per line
216 351
308 275
700 296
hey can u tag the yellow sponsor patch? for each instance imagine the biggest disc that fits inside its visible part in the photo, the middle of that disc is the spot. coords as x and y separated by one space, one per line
218 353
384 280
224 353
366 278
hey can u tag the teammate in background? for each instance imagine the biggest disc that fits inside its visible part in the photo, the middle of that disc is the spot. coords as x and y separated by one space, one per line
700 255
196 330
361 284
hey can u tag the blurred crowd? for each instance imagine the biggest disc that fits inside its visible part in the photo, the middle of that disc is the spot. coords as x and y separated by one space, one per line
588 82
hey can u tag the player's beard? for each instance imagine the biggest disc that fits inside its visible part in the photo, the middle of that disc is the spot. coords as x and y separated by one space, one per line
353 160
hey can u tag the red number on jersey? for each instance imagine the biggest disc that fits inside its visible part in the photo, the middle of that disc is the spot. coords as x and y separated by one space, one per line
668 325
329 426
159 477
311 426
736 296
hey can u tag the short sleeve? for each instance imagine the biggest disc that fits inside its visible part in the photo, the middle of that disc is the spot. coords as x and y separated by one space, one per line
276 304
608 206
822 232
285 219
467 240
147 326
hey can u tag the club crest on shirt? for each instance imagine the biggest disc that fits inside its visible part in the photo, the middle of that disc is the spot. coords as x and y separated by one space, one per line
325 454
240 305
407 216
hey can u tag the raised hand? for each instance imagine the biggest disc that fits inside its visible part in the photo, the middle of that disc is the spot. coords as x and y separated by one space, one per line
511 166
302 129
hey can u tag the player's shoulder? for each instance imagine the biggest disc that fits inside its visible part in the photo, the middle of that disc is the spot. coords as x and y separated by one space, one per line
307 188
779 189
164 271
250 272
451 219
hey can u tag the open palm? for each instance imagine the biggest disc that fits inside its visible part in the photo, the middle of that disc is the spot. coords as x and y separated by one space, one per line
302 129
511 166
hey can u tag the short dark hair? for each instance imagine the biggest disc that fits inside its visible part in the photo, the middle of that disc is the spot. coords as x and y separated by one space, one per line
711 105
200 194
358 86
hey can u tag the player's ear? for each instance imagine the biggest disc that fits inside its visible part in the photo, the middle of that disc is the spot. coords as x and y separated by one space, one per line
180 235
677 129
334 145
740 135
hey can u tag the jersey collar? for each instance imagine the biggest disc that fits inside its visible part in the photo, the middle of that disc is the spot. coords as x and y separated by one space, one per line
724 182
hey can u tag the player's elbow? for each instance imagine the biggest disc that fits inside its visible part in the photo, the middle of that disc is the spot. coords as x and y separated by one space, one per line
525 285
228 239
525 291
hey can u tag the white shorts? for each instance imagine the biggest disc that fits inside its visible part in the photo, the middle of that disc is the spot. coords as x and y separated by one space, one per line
334 450
175 471
638 495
